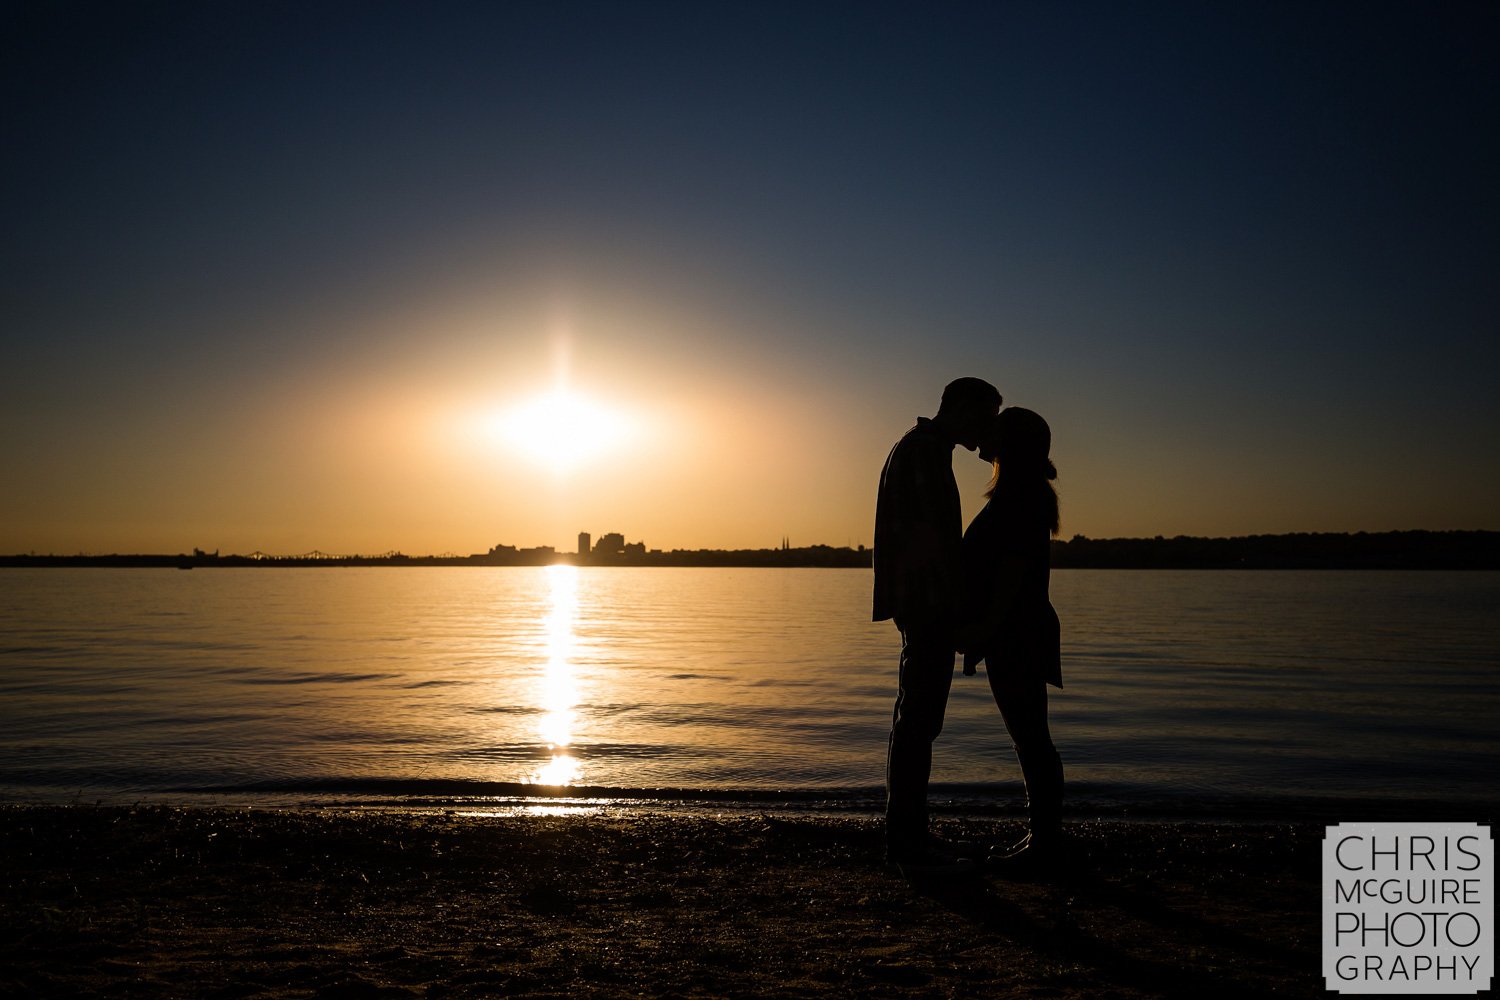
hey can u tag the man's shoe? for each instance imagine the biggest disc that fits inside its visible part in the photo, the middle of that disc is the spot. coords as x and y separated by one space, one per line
1029 861
928 863
928 857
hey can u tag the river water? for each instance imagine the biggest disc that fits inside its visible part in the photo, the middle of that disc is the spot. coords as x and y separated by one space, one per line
1192 686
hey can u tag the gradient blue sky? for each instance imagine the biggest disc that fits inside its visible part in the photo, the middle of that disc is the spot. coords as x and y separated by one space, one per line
272 272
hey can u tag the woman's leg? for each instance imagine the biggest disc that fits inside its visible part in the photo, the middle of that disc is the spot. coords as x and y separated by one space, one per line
1023 706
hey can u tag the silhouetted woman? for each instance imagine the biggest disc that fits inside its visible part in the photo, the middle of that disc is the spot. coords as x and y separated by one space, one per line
1013 626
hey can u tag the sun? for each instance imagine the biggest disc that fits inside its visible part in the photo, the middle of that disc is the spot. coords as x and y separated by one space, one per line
564 429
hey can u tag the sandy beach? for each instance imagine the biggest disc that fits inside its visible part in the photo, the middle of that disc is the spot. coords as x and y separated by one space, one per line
219 902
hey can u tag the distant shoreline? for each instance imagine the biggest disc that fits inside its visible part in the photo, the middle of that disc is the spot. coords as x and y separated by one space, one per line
1448 550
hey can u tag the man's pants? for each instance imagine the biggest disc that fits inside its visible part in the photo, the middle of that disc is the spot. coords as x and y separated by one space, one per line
921 699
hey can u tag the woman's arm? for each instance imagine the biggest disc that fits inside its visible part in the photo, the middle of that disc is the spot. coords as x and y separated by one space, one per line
978 633
1010 570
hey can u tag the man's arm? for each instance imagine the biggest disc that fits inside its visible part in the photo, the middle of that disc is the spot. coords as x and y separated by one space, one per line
924 530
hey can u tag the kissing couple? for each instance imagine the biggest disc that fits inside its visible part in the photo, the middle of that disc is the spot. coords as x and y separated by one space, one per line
982 592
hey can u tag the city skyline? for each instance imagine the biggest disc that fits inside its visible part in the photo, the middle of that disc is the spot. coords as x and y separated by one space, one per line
291 277
623 547
1411 550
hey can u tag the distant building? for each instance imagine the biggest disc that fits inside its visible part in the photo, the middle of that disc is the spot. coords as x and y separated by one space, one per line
612 547
584 538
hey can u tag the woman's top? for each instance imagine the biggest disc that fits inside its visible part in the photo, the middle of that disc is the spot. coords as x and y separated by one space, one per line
1012 536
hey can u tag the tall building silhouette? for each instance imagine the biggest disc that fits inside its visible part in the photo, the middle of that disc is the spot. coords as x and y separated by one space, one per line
584 538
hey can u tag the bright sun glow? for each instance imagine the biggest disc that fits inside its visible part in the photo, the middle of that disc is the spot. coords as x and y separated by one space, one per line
563 429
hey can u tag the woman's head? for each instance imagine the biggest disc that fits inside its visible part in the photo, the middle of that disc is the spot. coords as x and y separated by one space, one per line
1018 442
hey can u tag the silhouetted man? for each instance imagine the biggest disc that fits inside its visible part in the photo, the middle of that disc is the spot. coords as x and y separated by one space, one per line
918 575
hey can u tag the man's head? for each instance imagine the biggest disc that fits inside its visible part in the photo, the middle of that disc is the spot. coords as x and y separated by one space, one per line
968 404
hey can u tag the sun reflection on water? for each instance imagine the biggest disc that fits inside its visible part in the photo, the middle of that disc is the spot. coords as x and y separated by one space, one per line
559 684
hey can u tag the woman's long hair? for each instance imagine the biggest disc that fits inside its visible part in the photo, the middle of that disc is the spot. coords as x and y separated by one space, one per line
1018 441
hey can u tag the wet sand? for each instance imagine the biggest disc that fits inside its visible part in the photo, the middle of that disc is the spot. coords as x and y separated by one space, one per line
218 902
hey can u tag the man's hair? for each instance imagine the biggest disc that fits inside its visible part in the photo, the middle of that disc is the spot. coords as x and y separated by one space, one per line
969 390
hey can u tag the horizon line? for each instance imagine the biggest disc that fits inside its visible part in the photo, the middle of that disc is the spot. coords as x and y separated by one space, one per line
538 550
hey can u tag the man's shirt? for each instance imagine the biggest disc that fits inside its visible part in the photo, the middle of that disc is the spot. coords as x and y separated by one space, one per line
918 530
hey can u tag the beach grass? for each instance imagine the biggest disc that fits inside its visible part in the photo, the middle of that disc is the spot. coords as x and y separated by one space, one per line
221 902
